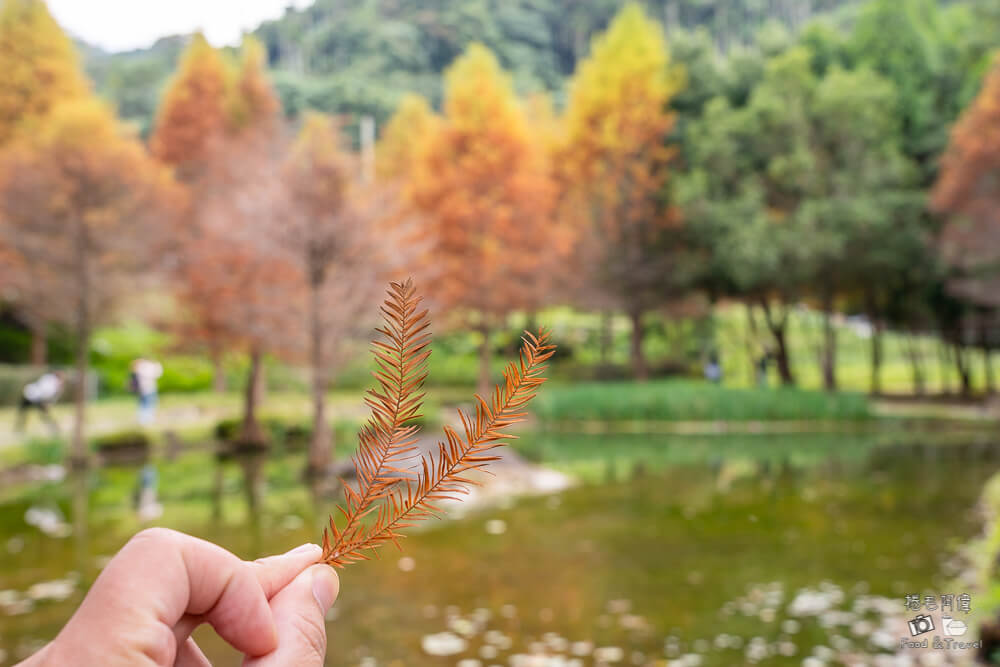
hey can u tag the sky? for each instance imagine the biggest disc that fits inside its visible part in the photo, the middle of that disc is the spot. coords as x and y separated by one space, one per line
121 25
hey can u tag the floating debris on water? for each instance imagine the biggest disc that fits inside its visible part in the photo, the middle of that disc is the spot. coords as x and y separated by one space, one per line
609 654
619 606
496 527
15 545
48 520
443 643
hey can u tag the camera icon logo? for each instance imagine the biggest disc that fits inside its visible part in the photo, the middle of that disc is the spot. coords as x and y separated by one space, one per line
920 624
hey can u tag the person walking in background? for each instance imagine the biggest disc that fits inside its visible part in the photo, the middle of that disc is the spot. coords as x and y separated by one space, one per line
713 369
39 395
142 382
762 369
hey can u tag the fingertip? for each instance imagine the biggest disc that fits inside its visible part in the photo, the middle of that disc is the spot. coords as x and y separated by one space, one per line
275 572
325 586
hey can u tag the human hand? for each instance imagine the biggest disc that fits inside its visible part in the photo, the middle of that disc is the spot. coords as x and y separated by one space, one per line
163 584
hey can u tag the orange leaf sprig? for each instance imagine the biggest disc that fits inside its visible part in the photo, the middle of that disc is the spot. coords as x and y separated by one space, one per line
399 497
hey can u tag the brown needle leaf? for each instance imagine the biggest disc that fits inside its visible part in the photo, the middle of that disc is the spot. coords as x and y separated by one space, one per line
386 438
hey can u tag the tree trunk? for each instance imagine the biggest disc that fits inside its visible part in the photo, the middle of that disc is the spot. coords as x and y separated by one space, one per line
781 352
606 337
916 367
964 372
750 338
988 371
779 331
218 373
943 365
321 445
876 360
39 345
252 433
639 368
483 385
79 454
829 344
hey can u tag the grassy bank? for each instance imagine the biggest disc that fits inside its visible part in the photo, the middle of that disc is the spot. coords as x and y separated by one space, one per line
691 401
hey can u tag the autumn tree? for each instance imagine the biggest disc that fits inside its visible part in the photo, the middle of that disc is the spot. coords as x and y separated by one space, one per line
485 189
968 192
233 276
326 227
40 69
618 161
81 200
396 153
196 108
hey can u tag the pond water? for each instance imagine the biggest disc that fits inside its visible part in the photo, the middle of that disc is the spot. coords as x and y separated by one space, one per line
702 550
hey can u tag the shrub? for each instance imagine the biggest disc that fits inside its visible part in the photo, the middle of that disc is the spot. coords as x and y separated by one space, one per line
681 400
124 447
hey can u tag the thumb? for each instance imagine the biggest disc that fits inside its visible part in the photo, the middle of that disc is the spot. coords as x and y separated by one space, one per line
299 612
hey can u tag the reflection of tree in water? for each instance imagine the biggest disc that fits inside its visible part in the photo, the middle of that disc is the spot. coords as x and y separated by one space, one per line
251 465
79 482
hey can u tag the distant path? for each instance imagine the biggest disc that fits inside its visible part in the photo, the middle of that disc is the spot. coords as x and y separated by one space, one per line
176 412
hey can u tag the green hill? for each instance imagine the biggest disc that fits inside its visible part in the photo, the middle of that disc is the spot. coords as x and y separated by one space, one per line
358 56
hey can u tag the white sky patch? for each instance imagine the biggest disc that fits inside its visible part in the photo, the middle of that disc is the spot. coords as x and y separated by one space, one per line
122 25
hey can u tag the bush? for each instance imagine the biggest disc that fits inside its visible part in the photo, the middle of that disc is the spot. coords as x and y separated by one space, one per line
124 447
121 440
681 400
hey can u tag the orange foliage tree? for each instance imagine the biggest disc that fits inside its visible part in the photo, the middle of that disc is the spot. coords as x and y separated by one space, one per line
234 279
193 116
614 168
40 69
485 190
195 109
968 190
411 124
326 227
82 201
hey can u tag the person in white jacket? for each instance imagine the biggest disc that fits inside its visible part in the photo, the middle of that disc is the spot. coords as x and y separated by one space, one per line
39 395
142 382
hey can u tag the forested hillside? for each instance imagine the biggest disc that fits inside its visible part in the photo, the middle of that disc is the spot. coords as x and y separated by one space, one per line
360 56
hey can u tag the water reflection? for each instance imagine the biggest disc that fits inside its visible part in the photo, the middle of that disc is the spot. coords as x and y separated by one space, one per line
673 555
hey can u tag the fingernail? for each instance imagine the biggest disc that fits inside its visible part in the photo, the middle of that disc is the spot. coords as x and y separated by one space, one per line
306 548
324 585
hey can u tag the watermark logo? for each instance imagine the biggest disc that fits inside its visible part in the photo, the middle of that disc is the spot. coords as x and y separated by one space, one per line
951 628
920 625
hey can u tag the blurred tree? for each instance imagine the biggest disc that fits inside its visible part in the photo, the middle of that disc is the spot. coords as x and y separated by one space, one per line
412 123
230 254
485 188
919 60
617 160
39 66
864 220
40 70
83 201
195 112
327 227
967 191
783 191
195 109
